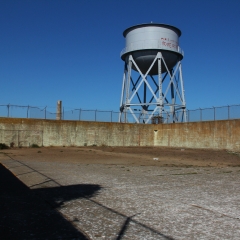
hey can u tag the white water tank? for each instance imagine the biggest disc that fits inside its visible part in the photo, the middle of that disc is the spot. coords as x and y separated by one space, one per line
144 41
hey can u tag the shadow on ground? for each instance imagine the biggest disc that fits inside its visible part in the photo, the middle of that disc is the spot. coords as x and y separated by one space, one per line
26 215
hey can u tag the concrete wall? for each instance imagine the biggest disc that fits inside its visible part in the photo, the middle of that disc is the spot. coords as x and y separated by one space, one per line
212 134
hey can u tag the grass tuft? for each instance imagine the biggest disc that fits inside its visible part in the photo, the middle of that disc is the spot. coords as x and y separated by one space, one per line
34 145
3 146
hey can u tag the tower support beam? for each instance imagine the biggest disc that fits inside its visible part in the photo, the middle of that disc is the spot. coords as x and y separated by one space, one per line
167 103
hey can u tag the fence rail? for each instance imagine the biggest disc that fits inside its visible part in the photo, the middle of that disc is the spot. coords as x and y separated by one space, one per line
197 115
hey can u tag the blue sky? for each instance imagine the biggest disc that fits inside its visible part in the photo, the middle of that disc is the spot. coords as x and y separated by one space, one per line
69 50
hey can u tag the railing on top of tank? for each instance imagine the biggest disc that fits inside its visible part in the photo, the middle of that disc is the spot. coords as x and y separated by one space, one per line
197 115
153 44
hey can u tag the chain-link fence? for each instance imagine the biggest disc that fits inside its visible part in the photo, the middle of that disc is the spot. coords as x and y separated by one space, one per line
197 115
16 111
214 113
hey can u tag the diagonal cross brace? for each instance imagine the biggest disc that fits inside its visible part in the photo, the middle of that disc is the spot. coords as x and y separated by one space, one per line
144 78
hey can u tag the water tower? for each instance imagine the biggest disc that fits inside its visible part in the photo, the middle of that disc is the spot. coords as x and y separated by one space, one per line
152 81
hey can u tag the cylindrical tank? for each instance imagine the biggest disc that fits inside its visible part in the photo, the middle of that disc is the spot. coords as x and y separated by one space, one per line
144 41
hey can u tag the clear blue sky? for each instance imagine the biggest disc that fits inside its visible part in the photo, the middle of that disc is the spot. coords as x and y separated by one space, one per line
69 50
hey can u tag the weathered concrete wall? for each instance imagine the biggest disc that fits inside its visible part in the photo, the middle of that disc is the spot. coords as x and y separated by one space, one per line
212 134
24 132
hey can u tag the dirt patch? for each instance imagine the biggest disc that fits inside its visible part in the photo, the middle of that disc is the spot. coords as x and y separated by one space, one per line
135 156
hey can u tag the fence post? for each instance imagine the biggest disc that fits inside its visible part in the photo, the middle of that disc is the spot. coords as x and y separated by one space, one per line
214 113
111 115
200 114
228 112
80 110
27 110
45 112
8 110
63 114
95 115
188 115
